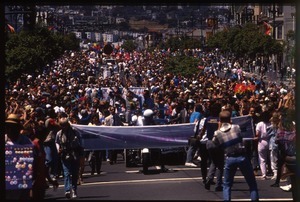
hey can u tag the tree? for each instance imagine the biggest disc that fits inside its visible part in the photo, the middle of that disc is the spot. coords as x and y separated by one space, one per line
29 51
129 45
182 64
245 41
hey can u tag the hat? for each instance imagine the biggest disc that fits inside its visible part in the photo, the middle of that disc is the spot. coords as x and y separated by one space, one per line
148 112
13 118
283 91
225 126
134 118
190 101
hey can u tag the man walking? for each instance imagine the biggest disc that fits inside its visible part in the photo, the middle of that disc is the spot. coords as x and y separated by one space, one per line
228 136
68 144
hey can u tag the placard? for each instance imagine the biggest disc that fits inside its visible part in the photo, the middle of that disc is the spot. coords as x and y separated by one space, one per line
18 166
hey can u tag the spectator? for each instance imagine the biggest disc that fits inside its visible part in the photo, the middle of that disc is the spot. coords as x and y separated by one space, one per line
286 139
263 142
13 137
41 173
52 159
273 146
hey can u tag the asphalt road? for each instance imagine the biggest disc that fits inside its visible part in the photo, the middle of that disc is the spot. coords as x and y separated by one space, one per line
118 182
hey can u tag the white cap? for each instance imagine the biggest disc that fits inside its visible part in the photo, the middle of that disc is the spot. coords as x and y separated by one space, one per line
190 101
148 112
134 118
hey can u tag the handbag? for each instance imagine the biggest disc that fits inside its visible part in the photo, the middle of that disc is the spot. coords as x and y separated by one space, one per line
194 140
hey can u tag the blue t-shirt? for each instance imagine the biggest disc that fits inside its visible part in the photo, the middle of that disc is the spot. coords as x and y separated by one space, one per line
194 116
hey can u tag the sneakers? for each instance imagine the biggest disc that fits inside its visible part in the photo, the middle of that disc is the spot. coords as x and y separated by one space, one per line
286 187
190 165
74 194
199 158
68 194
264 177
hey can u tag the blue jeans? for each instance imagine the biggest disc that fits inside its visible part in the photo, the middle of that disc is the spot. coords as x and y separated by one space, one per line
71 172
244 164
190 154
216 166
51 157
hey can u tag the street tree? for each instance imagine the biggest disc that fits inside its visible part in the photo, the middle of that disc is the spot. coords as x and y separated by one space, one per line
29 51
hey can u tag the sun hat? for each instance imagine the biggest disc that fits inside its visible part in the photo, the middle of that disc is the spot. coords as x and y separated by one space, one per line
13 118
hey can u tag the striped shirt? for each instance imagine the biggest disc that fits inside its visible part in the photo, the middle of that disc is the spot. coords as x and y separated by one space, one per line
230 140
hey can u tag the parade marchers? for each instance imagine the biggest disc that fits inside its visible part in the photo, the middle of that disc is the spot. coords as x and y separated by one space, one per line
72 84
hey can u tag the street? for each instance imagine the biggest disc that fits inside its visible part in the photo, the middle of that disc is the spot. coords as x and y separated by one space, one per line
118 182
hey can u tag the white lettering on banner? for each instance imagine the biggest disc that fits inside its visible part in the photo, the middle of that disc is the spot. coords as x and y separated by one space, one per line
155 136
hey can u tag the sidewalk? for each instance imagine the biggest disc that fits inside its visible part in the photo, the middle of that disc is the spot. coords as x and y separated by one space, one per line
274 77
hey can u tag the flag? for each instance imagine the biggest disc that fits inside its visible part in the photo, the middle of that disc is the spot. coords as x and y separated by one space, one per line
268 29
241 88
10 28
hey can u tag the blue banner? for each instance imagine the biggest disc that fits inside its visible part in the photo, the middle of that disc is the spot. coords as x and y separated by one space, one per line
246 125
156 136
131 137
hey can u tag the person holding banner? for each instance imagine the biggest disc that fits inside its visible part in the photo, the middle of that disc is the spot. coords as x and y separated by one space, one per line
148 120
216 156
95 156
228 137
196 116
13 128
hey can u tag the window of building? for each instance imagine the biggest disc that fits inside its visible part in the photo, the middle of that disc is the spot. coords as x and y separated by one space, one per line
279 32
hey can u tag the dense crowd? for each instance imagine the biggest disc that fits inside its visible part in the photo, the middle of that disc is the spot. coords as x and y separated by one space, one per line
74 83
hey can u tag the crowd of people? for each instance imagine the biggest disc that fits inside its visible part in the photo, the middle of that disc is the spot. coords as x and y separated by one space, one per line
72 87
